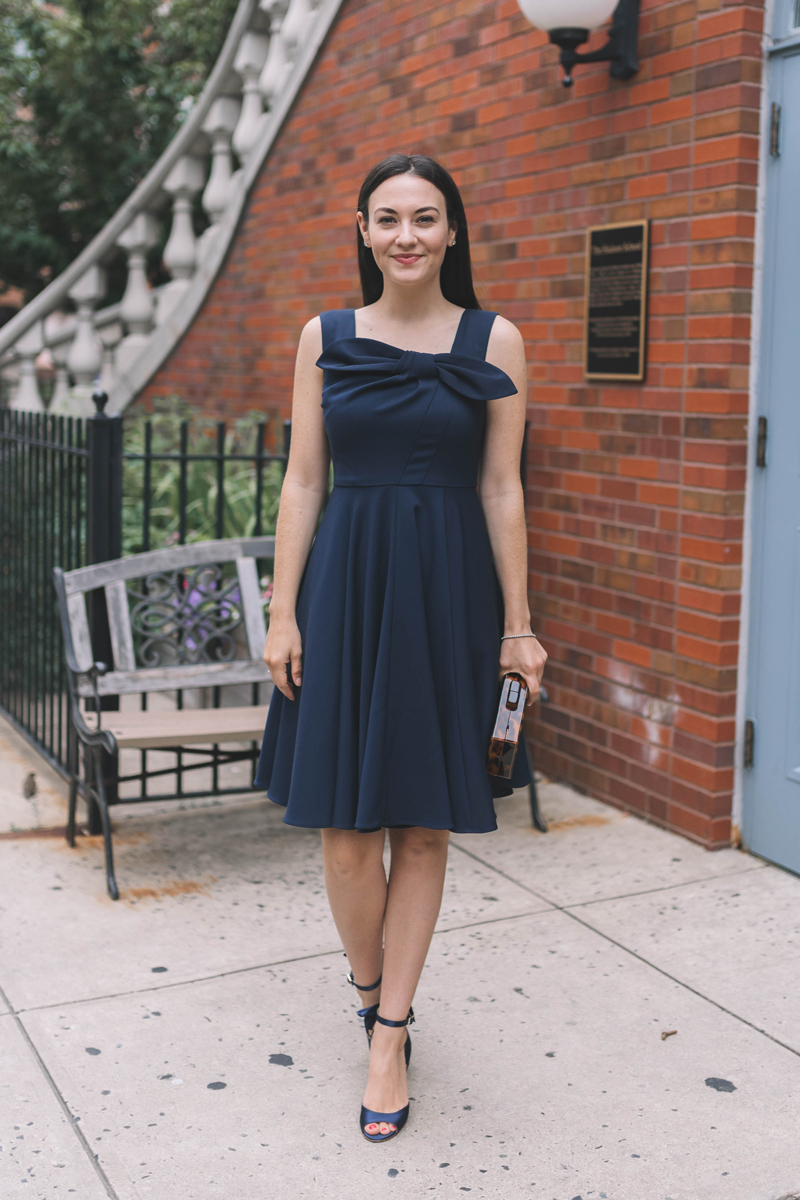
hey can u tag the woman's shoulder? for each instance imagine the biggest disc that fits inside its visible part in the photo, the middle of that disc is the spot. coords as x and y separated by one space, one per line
321 331
504 336
329 316
333 323
506 348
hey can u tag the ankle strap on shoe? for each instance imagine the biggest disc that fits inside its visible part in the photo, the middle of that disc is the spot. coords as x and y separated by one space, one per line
396 1024
360 986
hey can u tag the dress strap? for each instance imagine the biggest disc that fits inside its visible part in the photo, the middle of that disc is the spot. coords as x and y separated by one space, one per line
336 324
472 338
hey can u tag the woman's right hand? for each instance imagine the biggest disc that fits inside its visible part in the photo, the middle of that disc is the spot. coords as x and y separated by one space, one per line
283 652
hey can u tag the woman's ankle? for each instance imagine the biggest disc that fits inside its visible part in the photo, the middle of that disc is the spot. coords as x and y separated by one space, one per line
389 1039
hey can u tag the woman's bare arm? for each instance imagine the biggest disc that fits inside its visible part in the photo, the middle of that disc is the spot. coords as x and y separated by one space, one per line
500 490
303 495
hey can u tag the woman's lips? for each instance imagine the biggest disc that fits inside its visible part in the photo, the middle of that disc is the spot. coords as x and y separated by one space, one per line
407 258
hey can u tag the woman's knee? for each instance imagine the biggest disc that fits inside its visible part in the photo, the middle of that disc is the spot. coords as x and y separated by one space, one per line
349 853
419 843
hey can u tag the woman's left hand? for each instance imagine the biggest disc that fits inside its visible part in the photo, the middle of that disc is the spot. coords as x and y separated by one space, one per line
527 657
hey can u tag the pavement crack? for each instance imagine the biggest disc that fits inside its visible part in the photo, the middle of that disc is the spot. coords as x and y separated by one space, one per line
573 916
67 1111
682 983
266 966
666 887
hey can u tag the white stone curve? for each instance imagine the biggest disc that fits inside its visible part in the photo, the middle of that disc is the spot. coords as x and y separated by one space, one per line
164 338
181 144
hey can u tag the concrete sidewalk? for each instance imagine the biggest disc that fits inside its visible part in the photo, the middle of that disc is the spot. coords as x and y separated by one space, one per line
160 1046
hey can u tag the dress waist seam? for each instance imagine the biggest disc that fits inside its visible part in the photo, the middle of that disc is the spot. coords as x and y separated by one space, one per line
459 486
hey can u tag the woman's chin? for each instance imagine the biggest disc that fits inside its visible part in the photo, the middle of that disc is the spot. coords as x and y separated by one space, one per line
413 276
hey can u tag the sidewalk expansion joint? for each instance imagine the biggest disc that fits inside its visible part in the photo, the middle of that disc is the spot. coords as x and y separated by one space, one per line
666 887
567 911
267 966
72 1120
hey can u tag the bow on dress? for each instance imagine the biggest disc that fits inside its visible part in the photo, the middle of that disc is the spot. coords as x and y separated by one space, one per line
368 360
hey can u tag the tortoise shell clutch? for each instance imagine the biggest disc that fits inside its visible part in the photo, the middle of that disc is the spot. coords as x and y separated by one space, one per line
508 726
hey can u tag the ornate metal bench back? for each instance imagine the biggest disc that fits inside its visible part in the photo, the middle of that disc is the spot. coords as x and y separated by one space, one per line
190 616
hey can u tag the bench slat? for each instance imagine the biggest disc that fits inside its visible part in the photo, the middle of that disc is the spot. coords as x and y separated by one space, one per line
252 606
85 579
186 727
119 623
79 628
164 679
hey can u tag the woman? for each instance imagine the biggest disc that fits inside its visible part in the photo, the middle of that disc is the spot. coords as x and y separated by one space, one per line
389 635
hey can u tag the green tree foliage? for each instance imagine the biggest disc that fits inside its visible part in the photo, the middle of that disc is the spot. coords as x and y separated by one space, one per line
91 91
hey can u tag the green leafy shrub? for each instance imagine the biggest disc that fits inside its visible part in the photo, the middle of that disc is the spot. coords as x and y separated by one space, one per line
201 479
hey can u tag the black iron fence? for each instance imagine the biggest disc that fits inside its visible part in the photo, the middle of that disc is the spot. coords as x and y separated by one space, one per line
74 492
44 465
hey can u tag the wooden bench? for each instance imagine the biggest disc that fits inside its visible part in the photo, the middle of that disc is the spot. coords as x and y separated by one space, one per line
186 617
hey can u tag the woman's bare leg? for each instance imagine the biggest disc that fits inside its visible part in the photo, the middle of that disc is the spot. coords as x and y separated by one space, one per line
356 883
416 882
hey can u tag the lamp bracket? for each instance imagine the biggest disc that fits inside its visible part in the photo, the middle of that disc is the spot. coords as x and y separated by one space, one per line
620 49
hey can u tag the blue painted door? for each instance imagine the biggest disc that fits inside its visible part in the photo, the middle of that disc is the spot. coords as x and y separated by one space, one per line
771 810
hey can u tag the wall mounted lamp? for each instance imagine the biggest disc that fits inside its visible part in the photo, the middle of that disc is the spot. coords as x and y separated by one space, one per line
569 23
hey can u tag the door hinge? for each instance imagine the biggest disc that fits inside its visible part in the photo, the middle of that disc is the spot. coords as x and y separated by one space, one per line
761 443
775 131
749 741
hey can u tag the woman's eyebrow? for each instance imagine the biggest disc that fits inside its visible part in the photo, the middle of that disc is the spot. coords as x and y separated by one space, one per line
393 211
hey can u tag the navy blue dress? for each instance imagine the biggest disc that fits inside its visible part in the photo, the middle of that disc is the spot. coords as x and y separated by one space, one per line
399 607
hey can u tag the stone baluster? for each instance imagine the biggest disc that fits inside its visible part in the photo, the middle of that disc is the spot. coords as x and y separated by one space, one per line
138 307
28 348
295 26
60 398
248 64
85 354
277 62
219 125
180 253
110 337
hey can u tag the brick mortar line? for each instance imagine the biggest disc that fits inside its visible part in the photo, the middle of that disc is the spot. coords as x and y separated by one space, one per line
640 958
71 1120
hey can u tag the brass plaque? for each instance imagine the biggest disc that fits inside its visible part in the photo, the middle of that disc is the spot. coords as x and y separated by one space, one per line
615 321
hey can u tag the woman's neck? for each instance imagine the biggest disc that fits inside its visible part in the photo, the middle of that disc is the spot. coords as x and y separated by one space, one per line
411 306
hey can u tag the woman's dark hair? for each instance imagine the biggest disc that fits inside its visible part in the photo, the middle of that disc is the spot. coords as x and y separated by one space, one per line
456 273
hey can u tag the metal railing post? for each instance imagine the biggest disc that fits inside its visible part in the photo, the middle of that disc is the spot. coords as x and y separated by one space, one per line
103 542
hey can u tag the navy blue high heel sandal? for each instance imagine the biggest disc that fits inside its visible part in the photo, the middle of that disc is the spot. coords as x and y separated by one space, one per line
368 1014
399 1118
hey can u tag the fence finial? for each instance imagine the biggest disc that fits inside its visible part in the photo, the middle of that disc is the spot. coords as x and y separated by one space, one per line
100 399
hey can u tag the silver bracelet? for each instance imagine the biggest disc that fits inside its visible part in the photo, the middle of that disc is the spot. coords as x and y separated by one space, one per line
515 635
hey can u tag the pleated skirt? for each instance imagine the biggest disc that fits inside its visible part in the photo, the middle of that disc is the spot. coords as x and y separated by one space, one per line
401 613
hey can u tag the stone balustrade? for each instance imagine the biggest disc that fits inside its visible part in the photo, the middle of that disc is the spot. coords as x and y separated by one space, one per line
216 154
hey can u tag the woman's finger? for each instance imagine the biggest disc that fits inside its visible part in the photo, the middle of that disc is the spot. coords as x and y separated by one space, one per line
283 654
280 679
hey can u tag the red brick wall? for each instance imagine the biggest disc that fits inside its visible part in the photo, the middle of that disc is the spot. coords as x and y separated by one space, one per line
635 493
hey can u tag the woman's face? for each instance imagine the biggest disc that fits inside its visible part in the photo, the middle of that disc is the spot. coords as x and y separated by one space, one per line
407 229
